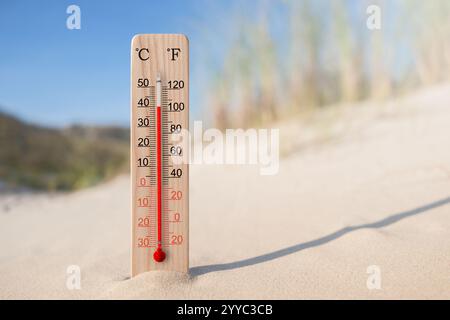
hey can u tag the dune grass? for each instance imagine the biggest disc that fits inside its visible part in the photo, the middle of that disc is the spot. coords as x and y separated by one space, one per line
294 56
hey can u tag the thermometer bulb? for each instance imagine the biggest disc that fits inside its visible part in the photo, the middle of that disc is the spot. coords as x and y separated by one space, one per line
159 255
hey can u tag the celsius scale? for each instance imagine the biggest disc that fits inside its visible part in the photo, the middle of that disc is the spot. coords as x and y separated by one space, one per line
159 180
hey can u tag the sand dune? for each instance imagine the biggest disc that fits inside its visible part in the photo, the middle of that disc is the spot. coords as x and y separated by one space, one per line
376 193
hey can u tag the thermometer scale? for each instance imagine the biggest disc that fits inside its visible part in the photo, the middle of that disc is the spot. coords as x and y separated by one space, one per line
159 112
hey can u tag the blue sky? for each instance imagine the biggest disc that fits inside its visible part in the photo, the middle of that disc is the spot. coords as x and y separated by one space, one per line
55 76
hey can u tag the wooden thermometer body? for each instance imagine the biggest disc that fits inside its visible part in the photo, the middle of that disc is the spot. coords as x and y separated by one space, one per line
160 195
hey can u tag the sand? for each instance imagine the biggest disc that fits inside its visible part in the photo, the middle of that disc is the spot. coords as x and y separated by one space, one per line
373 190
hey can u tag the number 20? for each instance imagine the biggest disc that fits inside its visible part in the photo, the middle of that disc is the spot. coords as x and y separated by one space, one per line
176 240
176 195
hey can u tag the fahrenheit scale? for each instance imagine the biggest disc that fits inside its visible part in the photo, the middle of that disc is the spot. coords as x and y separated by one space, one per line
159 111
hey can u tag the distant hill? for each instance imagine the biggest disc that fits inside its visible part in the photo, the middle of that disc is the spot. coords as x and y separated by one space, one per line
60 159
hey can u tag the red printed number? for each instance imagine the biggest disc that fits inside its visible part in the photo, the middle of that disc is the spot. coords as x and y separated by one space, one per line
176 240
144 222
176 195
143 242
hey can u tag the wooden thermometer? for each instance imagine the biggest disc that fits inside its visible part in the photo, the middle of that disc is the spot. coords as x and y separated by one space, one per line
160 194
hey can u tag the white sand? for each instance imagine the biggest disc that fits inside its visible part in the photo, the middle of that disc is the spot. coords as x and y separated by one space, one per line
377 193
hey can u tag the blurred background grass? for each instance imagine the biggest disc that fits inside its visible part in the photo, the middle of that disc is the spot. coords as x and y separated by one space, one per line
60 159
278 59
297 56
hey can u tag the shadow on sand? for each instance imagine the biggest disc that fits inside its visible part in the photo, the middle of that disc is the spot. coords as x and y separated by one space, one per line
200 270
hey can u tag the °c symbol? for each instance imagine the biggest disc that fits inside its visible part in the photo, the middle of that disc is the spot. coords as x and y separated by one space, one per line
143 54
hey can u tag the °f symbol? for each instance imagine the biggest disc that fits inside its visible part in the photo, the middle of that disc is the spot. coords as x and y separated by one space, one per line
175 52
